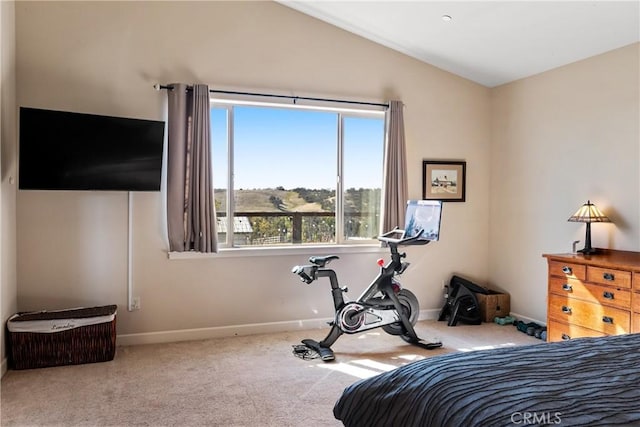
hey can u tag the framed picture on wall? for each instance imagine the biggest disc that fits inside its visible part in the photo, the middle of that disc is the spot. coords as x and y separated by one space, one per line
444 180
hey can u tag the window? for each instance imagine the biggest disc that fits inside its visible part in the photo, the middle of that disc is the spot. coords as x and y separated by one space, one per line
293 175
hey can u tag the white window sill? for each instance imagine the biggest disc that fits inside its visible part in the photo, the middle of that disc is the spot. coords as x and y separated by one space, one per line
279 251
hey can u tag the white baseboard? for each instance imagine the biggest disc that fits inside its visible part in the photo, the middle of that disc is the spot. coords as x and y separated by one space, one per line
526 319
218 332
242 330
431 314
235 330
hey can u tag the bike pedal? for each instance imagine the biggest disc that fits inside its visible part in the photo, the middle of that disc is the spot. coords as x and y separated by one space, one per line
327 357
432 345
428 345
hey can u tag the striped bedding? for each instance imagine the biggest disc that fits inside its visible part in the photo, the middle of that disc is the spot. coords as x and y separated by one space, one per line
582 382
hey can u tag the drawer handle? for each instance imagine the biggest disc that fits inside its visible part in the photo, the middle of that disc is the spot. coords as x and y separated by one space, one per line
567 270
566 309
607 319
608 295
566 337
567 287
608 276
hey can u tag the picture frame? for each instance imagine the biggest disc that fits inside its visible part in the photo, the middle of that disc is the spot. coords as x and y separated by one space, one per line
444 180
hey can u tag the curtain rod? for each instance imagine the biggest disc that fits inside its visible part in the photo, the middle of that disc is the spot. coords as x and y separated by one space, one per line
270 95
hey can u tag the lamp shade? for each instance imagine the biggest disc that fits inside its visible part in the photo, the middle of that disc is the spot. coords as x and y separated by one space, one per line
588 213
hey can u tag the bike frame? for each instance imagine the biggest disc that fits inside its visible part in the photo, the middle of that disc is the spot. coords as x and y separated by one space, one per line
382 283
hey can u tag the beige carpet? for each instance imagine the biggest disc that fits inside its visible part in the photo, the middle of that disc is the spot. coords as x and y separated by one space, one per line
237 381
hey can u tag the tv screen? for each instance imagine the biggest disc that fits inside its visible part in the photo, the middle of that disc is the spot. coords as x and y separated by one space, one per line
423 215
62 150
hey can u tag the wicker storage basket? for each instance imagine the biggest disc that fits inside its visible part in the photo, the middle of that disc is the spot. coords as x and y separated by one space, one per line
65 337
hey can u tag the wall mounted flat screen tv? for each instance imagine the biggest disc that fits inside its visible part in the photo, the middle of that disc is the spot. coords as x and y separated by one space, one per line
62 150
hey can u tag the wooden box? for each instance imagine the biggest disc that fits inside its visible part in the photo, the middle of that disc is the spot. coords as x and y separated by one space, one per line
493 304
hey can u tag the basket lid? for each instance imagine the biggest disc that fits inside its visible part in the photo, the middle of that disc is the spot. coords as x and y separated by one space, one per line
75 313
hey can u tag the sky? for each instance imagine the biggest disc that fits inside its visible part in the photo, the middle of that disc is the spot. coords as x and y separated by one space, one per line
296 148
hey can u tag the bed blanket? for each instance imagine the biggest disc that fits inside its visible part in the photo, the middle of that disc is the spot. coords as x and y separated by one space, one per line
582 382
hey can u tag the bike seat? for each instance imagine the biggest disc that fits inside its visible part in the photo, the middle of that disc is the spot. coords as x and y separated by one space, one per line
321 261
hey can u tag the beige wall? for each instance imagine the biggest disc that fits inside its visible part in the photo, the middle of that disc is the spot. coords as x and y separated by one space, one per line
104 58
558 139
536 150
8 284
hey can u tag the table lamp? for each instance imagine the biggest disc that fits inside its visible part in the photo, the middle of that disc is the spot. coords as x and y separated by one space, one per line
588 213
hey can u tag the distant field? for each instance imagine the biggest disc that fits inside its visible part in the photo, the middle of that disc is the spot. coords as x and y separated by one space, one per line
297 200
267 200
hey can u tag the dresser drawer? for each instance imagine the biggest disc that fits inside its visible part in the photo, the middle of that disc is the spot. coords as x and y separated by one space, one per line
636 281
635 302
573 288
635 323
610 320
609 276
566 269
557 331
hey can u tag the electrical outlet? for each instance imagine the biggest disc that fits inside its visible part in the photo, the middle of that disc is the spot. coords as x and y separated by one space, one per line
135 304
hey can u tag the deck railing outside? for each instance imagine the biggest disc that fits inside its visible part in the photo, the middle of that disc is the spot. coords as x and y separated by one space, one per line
272 228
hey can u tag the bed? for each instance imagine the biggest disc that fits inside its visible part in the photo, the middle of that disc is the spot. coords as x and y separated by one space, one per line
582 382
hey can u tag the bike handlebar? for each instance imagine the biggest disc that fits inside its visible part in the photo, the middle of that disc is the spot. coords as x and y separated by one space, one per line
414 240
307 273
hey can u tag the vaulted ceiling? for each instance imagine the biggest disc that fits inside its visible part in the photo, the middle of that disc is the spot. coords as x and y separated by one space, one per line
489 42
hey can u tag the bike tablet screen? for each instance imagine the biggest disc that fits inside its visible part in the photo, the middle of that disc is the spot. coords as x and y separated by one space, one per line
423 215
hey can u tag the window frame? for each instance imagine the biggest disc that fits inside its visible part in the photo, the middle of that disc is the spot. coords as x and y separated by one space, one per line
343 113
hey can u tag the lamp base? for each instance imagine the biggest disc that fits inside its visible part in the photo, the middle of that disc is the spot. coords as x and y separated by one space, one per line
588 251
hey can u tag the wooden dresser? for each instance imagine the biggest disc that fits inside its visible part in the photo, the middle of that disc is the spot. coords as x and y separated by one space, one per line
593 295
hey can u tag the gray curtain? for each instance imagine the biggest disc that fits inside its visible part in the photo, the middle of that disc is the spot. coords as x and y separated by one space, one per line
395 191
191 217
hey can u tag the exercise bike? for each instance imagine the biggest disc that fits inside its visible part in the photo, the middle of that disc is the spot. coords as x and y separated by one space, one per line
383 304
